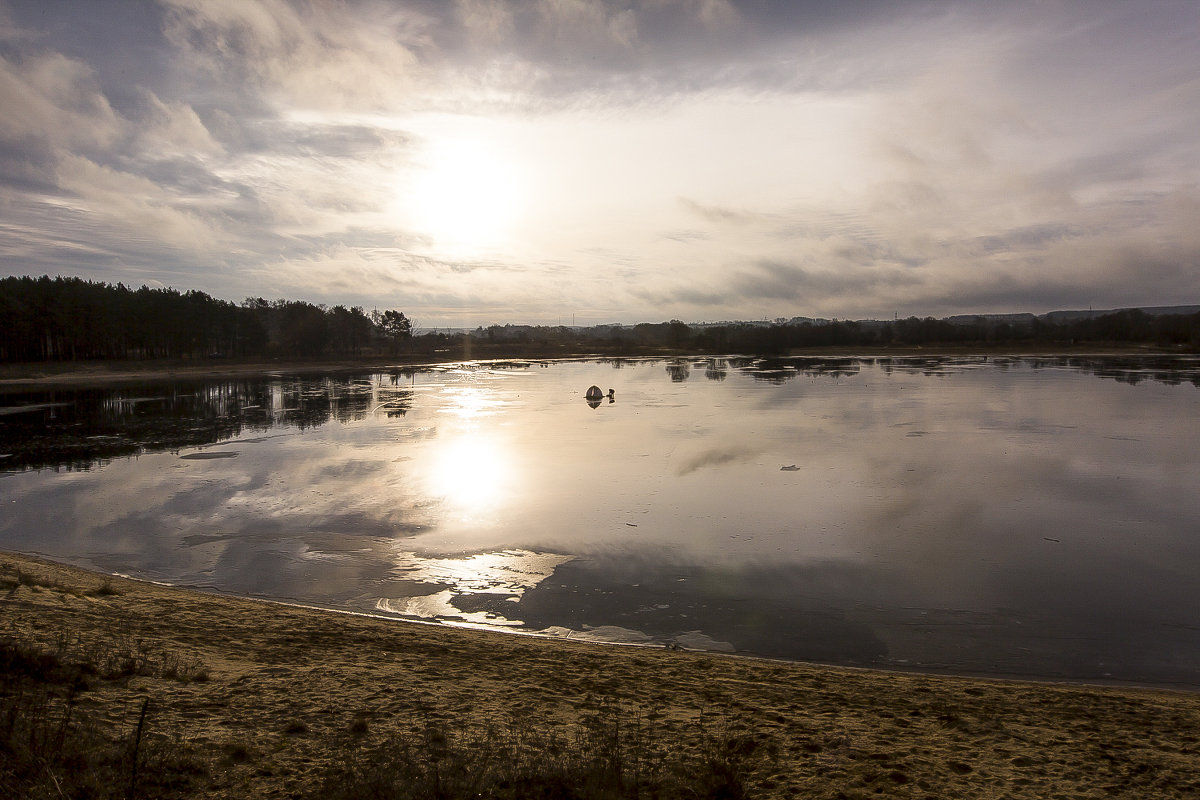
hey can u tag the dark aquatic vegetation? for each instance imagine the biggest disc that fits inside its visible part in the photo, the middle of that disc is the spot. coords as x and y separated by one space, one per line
87 427
997 515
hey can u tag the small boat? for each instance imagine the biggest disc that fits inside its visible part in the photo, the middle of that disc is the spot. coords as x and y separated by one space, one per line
594 393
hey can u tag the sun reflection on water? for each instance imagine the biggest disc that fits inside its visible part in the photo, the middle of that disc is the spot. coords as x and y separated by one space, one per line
504 571
473 471
471 467
470 474
505 574
471 402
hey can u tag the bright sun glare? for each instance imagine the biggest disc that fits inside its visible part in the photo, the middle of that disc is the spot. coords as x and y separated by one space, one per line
466 196
468 475
471 469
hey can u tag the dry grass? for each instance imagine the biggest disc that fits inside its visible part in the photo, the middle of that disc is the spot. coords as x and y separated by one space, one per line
53 745
607 757
306 704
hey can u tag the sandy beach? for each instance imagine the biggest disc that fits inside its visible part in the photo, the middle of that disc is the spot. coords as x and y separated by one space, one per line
264 698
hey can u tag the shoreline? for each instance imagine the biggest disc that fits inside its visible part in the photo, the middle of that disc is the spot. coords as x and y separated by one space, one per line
285 688
947 672
62 374
469 627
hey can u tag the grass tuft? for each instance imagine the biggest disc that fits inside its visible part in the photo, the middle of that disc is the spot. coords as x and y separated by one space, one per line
12 578
51 747
295 727
607 758
106 589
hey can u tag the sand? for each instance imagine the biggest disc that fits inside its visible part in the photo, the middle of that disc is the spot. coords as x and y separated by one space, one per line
283 684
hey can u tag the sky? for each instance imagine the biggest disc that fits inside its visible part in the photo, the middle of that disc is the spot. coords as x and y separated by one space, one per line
554 161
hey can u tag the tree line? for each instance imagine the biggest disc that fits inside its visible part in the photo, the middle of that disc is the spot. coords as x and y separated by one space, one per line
67 319
58 319
1127 327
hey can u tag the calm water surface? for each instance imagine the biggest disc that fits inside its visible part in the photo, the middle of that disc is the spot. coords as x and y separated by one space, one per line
1012 516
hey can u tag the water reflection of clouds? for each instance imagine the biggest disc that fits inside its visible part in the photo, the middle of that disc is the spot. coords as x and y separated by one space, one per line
1029 490
505 576
277 490
729 453
1037 502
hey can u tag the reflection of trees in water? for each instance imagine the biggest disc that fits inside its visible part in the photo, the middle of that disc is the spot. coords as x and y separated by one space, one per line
935 366
82 428
407 376
394 402
776 376
782 370
78 429
924 369
831 368
679 370
1168 369
315 403
1171 370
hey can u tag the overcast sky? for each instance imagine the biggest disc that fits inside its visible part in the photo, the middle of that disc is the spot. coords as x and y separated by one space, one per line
483 162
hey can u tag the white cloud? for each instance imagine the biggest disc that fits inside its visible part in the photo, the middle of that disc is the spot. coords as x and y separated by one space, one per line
319 56
175 130
54 100
132 205
579 24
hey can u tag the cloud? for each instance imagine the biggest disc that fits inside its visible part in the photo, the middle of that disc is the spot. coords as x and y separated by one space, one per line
132 204
679 158
574 25
174 130
320 56
772 280
54 100
718 214
485 22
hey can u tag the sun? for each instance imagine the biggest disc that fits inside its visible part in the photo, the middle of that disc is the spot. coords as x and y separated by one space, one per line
465 195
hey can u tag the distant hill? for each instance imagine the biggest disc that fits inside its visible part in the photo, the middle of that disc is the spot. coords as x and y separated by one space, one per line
972 319
1154 311
1025 318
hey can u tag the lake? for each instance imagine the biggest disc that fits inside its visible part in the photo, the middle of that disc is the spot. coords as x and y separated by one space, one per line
1010 516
